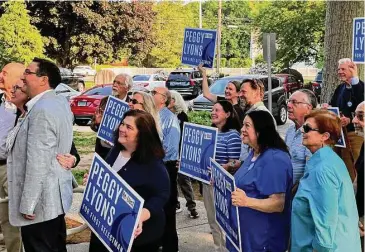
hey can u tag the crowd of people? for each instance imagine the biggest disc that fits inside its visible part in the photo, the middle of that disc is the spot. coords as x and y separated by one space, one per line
298 193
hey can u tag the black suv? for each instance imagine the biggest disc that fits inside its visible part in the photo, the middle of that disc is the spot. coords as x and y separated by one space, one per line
279 108
188 82
72 80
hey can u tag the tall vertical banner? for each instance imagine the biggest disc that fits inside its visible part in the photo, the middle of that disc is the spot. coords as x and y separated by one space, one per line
358 48
226 214
110 207
114 111
341 142
199 47
198 145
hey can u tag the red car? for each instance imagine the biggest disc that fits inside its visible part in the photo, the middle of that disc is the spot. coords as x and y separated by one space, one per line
290 83
83 106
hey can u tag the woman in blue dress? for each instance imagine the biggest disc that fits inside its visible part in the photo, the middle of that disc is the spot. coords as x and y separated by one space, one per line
324 216
264 182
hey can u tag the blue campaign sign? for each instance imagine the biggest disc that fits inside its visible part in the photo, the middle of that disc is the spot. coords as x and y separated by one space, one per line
358 31
110 207
199 47
198 145
341 142
114 111
226 214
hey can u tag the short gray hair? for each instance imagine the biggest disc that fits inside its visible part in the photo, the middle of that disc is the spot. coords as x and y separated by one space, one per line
180 105
128 80
311 97
344 61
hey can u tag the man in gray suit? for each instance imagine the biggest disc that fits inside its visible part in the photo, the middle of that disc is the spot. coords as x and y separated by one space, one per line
40 190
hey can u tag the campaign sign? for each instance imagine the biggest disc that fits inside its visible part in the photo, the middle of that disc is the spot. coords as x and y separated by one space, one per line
226 214
341 142
199 47
110 207
198 145
114 111
358 33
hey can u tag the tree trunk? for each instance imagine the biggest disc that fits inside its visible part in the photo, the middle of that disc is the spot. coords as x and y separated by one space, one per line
338 41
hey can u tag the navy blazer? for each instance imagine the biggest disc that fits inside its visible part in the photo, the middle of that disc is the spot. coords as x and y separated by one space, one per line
151 181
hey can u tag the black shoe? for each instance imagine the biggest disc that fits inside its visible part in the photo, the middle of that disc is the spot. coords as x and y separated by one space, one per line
194 214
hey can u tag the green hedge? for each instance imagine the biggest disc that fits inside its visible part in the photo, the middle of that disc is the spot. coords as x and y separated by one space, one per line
200 117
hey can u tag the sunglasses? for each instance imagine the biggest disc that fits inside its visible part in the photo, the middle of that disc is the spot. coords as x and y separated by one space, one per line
359 115
134 102
307 128
153 92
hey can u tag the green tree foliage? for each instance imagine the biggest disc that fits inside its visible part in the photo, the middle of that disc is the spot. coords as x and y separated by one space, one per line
76 32
235 26
19 40
168 32
299 26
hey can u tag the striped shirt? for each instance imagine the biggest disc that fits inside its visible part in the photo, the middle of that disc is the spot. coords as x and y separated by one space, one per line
228 146
298 152
171 134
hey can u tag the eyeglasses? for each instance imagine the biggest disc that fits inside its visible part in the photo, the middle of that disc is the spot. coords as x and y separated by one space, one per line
295 103
154 92
28 72
119 83
307 128
134 102
359 115
16 87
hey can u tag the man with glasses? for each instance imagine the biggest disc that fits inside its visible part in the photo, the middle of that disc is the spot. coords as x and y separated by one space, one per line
40 191
8 113
121 85
300 104
170 141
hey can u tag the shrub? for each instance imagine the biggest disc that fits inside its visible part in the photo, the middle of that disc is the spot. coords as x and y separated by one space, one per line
200 117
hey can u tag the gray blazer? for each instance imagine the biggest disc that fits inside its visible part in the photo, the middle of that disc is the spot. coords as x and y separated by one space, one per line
37 182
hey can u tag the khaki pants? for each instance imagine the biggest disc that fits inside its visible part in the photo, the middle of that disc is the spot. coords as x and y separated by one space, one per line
218 236
11 234
355 142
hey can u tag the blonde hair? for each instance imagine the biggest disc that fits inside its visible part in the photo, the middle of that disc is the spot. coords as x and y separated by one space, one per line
180 105
150 107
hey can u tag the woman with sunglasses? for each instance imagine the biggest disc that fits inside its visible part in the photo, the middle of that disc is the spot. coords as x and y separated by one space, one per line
263 182
324 214
231 93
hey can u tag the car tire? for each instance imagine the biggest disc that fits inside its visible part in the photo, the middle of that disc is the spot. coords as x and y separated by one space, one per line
282 115
82 122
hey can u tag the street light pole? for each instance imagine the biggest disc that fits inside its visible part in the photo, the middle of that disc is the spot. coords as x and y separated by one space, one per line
219 35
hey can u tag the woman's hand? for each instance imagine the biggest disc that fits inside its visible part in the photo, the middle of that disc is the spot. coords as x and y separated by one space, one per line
202 70
239 198
361 229
177 164
67 161
138 230
84 179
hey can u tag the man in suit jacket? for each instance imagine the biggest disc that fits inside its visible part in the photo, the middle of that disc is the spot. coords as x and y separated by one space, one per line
121 85
40 190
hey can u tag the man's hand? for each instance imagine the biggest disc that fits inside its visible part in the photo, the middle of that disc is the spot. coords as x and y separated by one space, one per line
84 180
353 69
67 161
345 121
361 229
202 70
138 230
29 216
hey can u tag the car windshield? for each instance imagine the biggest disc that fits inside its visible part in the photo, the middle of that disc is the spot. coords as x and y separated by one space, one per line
282 79
106 90
141 77
65 71
318 77
179 76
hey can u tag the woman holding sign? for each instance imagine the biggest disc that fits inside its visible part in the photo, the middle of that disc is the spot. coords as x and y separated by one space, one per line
137 157
228 149
324 215
264 182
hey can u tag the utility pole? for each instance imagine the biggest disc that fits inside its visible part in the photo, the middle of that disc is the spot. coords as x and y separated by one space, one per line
219 36
200 15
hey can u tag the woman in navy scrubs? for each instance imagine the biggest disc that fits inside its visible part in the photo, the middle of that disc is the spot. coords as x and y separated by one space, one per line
264 182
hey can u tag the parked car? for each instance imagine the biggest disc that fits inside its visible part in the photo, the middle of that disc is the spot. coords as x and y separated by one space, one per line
83 106
148 81
66 91
290 83
74 81
279 108
317 85
84 71
188 82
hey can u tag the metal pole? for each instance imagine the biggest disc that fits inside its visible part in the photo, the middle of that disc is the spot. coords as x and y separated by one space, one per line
200 15
219 36
269 93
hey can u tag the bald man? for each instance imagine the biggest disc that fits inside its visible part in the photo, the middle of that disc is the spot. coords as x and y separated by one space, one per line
8 77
